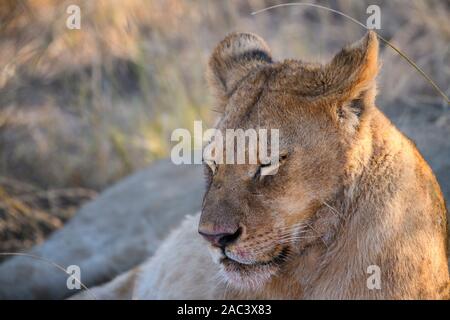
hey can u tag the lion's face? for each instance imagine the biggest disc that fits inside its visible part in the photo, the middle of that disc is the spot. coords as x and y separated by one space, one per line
255 222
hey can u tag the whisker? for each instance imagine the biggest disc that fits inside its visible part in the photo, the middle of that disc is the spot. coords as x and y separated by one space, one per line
333 209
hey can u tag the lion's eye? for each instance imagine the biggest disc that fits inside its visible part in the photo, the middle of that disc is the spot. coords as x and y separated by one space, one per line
208 156
211 164
266 170
269 169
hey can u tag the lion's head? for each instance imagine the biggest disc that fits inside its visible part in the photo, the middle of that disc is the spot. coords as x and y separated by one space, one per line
255 222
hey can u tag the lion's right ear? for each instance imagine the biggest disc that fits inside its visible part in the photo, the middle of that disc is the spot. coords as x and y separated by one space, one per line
233 59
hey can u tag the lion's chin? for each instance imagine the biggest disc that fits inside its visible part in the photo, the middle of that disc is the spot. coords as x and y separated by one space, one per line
250 276
247 276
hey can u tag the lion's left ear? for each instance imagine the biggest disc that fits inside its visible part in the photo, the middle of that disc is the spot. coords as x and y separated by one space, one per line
352 72
234 58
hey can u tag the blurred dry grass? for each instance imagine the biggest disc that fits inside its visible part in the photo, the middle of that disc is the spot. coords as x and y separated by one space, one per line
28 215
83 108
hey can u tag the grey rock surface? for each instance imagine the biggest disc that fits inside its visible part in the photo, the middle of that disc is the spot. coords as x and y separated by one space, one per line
116 231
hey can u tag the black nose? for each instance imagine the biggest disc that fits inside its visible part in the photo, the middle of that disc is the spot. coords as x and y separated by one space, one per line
221 239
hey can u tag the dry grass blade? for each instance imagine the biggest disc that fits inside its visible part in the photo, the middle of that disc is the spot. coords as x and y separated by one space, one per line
402 54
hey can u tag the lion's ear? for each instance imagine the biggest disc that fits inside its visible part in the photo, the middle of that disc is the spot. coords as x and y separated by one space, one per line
233 59
352 71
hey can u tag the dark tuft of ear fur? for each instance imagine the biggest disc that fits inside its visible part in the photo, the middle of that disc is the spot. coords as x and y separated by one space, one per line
233 59
352 74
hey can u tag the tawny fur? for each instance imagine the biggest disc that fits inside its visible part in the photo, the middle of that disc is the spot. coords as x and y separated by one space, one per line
358 190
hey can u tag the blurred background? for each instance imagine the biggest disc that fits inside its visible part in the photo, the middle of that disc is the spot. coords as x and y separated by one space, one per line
81 109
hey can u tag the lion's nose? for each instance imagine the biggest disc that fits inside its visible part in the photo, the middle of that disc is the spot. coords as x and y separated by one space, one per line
221 239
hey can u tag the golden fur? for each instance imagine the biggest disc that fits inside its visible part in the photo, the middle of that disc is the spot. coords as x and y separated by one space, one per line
351 191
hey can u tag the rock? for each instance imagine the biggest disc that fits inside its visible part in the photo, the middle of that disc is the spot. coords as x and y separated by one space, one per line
113 233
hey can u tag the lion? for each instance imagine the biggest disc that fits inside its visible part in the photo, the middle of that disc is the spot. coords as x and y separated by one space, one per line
353 212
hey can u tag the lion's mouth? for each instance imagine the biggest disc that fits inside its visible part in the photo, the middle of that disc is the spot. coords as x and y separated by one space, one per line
252 275
277 261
